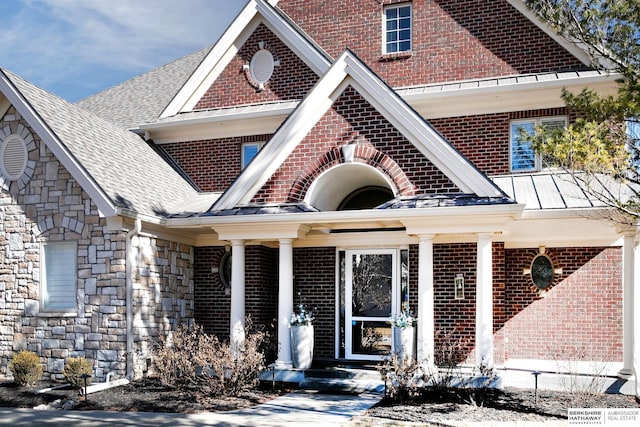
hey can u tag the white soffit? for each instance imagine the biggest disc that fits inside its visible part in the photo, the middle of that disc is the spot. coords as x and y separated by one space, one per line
220 123
504 94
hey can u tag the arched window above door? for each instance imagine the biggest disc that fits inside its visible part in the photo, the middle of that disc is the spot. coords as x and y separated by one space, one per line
350 186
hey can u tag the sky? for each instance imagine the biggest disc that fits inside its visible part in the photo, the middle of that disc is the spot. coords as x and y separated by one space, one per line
75 48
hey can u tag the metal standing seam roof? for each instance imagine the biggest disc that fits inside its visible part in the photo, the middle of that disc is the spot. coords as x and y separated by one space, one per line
497 82
141 99
124 166
551 190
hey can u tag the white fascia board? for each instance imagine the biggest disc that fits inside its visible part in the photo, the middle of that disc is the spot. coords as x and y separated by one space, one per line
213 64
284 141
103 202
522 96
442 154
413 217
570 46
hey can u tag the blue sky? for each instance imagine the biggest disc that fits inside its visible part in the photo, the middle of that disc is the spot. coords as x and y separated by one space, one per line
75 48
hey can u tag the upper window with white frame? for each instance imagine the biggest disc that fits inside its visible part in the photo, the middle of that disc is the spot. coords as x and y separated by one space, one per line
59 276
249 151
397 28
522 157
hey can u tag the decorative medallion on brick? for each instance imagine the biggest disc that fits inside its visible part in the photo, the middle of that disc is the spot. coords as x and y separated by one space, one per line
14 157
542 272
261 67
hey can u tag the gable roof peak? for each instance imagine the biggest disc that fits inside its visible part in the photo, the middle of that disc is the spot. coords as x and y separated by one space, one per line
256 12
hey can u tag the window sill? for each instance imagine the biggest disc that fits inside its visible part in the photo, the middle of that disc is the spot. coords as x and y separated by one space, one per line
388 57
57 314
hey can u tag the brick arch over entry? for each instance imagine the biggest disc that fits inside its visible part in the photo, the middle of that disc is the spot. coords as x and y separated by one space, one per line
364 154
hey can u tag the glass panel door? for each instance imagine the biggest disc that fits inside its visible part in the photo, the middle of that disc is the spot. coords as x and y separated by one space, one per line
370 293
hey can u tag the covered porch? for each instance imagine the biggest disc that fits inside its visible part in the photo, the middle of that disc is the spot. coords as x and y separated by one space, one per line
349 235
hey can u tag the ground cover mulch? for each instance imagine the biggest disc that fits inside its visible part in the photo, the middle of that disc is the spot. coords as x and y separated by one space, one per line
508 404
147 395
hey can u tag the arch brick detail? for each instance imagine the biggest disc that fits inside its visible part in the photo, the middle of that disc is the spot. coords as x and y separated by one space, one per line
364 154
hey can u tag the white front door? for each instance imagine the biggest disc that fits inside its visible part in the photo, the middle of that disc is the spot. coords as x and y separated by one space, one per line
371 294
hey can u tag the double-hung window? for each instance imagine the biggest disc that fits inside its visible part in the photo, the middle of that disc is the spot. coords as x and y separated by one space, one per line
397 28
521 153
59 276
249 151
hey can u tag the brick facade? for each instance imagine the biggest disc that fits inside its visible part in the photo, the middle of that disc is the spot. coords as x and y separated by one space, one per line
453 40
213 299
211 164
50 206
584 301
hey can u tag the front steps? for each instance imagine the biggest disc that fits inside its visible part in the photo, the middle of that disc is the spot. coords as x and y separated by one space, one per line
339 379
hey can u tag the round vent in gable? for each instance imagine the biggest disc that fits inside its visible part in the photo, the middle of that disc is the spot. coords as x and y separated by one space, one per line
13 156
261 67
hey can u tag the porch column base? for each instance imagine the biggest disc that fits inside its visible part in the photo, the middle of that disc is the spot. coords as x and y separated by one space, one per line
625 373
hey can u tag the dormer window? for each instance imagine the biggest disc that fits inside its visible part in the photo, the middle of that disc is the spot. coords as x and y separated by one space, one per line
397 28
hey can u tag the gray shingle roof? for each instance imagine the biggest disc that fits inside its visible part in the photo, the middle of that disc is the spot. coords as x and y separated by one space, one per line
124 166
143 98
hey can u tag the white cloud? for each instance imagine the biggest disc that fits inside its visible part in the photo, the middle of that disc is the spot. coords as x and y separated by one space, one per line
62 43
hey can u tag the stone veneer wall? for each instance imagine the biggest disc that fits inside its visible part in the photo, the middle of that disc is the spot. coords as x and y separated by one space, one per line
51 206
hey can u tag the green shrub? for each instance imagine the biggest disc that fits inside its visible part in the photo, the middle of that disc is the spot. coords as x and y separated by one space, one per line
74 369
26 368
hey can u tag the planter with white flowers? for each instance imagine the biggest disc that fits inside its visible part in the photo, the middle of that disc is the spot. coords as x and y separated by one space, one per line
301 325
404 335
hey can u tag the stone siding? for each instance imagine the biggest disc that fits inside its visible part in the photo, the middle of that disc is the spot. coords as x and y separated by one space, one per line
51 206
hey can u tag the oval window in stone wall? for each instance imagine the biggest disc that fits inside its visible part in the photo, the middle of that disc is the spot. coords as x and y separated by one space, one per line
13 155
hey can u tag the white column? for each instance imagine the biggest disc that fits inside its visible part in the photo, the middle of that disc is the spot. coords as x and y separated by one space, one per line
285 303
426 328
628 277
237 294
484 302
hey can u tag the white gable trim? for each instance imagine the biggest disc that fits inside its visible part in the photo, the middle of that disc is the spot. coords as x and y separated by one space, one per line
572 47
254 13
349 70
57 147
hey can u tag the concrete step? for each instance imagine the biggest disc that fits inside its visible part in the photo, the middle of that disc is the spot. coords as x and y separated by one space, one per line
335 379
342 379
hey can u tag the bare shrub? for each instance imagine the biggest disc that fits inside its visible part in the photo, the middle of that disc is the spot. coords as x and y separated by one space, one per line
192 359
403 378
579 376
448 354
